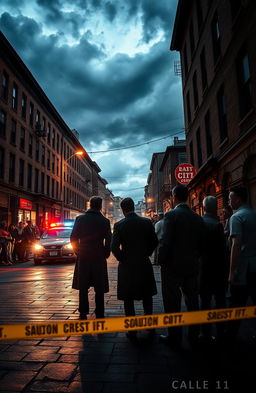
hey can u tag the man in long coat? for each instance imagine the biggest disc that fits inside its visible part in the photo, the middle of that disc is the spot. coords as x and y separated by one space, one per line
91 238
134 240
179 252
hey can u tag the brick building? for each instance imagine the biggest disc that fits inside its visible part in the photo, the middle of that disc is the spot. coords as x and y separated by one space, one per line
216 41
173 156
154 185
41 177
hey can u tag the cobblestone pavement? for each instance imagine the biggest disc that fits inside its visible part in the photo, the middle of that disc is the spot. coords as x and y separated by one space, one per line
110 362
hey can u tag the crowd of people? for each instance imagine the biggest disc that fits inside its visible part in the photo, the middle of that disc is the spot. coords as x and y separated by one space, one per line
200 258
16 241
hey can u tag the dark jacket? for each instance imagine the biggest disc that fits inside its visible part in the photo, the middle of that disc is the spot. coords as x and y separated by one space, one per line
29 233
92 236
214 260
181 244
134 240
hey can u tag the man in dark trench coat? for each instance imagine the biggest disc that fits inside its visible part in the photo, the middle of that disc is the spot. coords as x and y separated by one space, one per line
91 238
134 240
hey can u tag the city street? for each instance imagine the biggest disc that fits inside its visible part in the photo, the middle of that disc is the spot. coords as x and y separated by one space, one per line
109 362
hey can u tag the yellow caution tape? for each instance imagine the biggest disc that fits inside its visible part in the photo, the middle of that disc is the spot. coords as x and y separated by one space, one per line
108 325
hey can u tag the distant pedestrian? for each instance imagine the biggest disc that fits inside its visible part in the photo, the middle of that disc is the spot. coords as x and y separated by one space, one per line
91 238
134 240
29 237
242 275
20 242
159 225
179 252
11 243
4 239
214 266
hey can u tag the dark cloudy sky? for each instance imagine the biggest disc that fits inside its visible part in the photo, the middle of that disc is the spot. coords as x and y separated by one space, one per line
107 68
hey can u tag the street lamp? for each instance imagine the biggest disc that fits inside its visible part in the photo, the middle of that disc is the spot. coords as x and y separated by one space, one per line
78 153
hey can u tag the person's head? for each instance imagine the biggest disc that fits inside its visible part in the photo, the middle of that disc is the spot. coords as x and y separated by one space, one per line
127 205
29 222
96 203
179 194
237 197
20 224
210 205
227 212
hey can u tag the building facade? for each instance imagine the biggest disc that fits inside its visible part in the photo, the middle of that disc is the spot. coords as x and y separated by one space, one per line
173 156
154 185
216 41
41 177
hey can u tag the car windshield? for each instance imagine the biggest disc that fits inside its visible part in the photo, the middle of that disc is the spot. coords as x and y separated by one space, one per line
57 233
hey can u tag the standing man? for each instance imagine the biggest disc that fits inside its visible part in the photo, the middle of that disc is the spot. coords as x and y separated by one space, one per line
214 266
179 252
159 225
134 240
91 238
242 275
29 237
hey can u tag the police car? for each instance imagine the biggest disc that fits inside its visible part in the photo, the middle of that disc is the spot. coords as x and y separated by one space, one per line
54 245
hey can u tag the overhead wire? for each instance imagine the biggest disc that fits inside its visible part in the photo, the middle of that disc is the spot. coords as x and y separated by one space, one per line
137 145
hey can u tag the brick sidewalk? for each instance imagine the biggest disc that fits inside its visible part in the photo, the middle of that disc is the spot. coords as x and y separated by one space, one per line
106 363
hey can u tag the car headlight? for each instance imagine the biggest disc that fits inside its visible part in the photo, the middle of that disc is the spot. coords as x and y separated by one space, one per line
38 247
68 246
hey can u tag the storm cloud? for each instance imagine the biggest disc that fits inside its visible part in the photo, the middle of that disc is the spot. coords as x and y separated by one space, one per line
108 70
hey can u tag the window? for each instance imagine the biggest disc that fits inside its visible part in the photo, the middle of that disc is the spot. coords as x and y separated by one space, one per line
29 177
31 114
215 38
5 86
199 148
14 96
57 190
199 14
57 166
192 38
195 91
244 82
53 138
53 187
49 134
203 69
208 135
24 106
36 179
37 150
64 151
58 143
182 157
48 185
38 118
1 163
12 168
42 183
48 159
21 173
53 163
43 156
2 122
30 145
13 132
22 138
191 152
222 113
43 124
188 107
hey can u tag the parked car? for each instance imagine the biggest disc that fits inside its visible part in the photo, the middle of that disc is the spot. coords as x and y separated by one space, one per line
54 245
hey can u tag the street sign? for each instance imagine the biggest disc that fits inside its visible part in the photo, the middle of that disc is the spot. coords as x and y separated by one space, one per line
184 173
